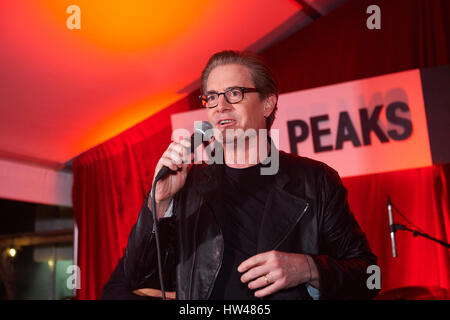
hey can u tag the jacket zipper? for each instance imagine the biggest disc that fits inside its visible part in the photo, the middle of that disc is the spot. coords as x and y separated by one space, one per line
287 234
291 228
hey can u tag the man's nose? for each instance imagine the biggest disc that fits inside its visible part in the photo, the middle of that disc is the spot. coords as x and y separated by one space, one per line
223 104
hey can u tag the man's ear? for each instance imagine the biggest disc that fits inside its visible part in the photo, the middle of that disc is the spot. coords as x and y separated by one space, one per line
269 104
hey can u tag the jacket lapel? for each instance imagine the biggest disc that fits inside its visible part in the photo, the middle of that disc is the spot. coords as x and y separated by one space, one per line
189 206
210 239
282 212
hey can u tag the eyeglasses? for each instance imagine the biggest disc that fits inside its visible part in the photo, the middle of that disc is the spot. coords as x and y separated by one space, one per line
232 95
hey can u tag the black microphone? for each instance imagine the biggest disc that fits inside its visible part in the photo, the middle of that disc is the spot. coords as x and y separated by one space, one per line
196 140
391 227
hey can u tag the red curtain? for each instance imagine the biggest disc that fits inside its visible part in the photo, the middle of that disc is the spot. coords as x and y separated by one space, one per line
421 195
111 180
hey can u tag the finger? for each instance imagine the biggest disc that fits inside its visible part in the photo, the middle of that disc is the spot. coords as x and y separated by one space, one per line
169 163
186 143
258 283
274 287
179 149
171 146
262 281
175 157
185 153
253 261
174 147
255 272
265 279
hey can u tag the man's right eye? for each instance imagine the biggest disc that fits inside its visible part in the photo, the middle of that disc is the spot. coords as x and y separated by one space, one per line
211 97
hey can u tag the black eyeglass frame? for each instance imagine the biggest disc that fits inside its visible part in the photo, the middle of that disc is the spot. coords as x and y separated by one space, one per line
243 90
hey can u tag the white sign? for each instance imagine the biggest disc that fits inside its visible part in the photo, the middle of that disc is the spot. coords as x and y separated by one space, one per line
359 127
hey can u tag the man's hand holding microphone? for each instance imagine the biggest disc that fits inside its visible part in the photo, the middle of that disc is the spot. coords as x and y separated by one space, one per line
176 158
172 169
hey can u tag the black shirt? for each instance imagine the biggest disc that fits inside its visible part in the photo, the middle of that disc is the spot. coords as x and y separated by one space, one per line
239 211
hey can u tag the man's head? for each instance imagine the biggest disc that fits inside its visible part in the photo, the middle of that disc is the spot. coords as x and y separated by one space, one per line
252 81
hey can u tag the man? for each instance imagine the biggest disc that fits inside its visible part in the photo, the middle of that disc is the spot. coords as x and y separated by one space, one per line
229 232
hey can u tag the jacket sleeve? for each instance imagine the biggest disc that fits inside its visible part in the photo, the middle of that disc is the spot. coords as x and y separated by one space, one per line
344 251
118 288
140 265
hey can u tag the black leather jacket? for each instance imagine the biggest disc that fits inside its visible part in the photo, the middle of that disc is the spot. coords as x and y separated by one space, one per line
306 212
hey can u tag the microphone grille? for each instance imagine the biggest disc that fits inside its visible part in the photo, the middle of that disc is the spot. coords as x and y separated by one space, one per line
202 126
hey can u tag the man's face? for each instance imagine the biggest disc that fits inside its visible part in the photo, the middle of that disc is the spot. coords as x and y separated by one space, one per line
247 114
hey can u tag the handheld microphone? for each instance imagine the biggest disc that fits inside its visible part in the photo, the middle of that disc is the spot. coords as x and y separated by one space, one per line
196 139
391 227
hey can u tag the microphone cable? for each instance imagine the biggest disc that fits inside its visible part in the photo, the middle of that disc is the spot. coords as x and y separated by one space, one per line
155 231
